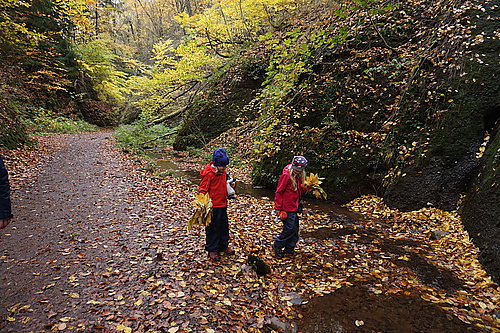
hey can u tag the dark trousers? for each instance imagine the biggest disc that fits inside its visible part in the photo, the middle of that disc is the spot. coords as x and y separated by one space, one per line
289 235
218 231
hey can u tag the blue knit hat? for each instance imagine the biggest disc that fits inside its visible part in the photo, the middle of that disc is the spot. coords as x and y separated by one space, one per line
220 158
299 163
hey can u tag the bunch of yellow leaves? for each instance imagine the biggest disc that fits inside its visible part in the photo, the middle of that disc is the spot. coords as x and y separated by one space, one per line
312 182
202 211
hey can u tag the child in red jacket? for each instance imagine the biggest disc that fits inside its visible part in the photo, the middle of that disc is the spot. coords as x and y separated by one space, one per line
287 203
213 182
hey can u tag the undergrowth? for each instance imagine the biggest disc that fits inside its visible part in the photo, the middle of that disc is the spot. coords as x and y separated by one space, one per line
43 121
139 136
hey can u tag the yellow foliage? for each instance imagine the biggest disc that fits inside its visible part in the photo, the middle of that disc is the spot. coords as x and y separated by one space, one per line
313 181
203 211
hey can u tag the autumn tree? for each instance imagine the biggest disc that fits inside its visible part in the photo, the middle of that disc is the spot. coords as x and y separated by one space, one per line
15 37
213 37
140 24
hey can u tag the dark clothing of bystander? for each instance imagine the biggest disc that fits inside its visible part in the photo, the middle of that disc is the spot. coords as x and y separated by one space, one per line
5 204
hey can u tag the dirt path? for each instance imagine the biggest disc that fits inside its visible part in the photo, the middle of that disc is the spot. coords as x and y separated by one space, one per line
99 245
63 234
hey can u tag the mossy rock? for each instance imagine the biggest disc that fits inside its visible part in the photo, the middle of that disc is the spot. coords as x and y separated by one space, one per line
454 125
220 109
481 209
347 165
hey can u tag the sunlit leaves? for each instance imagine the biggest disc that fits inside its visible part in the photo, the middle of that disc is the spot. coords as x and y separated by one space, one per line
177 71
313 182
229 23
214 36
203 211
77 12
14 35
98 61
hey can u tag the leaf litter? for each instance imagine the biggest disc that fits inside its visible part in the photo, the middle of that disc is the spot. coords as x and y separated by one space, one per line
141 271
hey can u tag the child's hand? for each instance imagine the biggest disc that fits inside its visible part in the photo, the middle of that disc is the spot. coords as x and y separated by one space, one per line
283 215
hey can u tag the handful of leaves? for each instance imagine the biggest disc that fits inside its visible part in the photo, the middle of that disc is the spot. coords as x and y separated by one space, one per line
313 181
203 211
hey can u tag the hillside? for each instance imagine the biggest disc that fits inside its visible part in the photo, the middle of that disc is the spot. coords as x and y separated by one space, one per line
393 99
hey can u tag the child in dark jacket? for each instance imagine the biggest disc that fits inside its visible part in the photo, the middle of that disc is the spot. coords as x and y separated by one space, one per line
287 204
5 205
213 182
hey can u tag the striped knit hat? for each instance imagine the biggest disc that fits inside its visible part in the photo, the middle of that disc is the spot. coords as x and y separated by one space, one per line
299 163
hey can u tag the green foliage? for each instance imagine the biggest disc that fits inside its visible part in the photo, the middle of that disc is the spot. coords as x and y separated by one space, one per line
133 137
13 132
12 137
98 60
229 24
212 39
392 69
44 122
196 152
171 82
291 61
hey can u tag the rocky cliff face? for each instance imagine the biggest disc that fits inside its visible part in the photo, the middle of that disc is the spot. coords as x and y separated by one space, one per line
463 153
481 208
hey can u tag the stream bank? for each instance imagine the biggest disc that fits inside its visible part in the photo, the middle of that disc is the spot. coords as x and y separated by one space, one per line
369 299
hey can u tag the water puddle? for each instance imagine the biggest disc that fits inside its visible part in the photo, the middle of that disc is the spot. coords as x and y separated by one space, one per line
355 309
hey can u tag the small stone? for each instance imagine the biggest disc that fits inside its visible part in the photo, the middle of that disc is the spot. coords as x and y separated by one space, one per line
438 234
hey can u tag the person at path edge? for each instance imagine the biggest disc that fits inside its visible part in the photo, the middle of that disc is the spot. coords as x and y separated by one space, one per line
213 182
287 205
5 206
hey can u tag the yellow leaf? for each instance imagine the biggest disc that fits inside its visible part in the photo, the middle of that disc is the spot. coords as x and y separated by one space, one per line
312 182
61 326
123 328
15 307
93 302
203 211
49 285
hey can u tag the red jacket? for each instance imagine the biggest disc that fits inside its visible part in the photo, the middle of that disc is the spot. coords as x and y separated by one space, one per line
214 183
286 197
